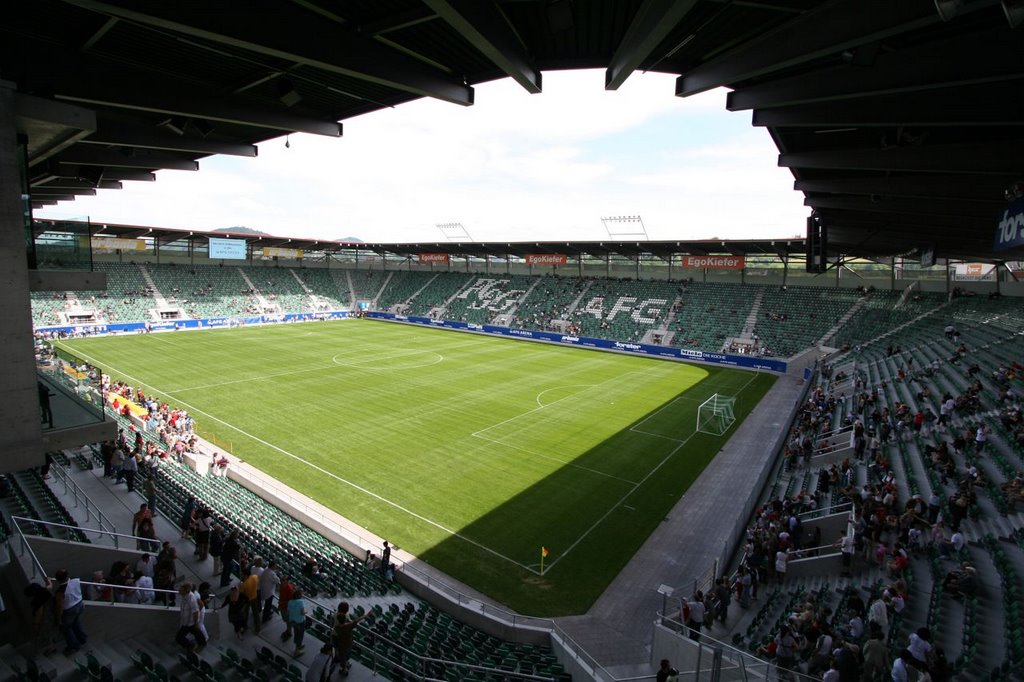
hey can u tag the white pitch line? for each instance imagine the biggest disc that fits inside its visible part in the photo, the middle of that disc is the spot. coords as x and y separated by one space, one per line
554 459
326 472
654 435
635 488
555 388
258 378
544 407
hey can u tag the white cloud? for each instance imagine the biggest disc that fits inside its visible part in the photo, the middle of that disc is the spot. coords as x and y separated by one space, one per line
512 167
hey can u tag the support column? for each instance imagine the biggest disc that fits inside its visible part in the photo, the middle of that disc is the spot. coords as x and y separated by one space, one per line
21 435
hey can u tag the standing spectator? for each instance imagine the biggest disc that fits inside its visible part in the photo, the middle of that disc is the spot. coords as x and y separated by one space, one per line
694 609
137 518
166 576
297 619
787 643
68 606
980 438
250 589
341 636
285 593
149 488
722 598
385 557
204 524
920 649
204 597
40 600
147 531
847 546
876 656
269 582
229 557
186 518
129 469
44 404
744 581
216 547
117 464
188 623
145 594
238 611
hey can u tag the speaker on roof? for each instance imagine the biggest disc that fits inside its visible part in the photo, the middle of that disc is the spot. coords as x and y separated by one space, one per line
816 244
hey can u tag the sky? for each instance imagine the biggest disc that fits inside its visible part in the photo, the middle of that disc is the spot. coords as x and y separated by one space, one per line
512 167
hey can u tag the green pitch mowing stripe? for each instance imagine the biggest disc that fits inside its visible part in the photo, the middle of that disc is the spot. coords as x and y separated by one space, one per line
471 452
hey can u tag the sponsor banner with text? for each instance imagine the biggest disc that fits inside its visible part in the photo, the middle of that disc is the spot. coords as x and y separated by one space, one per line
743 361
427 258
1010 230
714 262
111 244
546 259
279 252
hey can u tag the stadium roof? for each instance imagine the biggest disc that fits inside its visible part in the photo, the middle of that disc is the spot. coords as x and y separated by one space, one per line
902 122
778 248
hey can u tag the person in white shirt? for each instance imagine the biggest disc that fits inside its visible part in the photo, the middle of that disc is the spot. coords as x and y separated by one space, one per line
920 648
145 593
879 613
68 607
188 623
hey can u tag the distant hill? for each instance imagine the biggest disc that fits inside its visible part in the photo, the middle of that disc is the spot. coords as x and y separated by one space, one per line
357 240
240 230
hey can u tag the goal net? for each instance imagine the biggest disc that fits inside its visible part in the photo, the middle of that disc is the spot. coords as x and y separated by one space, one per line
716 414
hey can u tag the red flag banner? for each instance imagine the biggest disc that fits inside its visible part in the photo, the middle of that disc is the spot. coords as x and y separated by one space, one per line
546 259
715 262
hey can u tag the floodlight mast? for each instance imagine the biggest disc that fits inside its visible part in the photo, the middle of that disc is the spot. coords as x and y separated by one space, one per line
625 227
455 232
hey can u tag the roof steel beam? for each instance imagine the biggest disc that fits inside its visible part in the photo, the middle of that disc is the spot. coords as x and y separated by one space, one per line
125 158
1000 158
992 104
122 134
486 28
46 192
929 207
827 30
954 62
70 183
652 23
309 40
979 188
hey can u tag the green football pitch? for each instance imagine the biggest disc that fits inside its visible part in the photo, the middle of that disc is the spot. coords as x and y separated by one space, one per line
470 452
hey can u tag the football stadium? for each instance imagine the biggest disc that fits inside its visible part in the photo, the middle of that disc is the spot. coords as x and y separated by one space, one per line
235 455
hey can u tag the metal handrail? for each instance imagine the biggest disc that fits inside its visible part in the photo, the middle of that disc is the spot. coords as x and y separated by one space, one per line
114 588
100 531
78 493
37 566
746 663
422 660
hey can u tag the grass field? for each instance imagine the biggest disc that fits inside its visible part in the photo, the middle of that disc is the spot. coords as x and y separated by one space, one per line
470 452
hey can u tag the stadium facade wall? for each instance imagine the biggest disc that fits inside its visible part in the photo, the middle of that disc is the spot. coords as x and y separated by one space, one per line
666 352
933 280
203 323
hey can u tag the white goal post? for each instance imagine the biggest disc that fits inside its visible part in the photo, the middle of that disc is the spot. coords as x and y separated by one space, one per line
716 414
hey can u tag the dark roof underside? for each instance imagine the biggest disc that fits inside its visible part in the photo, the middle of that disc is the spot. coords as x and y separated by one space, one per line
902 129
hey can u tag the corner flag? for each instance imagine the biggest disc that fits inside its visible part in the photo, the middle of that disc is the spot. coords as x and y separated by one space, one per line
543 551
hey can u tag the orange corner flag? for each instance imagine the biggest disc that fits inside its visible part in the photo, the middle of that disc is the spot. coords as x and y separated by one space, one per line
543 551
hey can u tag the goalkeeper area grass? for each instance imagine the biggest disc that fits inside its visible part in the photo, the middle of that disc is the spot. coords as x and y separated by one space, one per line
470 452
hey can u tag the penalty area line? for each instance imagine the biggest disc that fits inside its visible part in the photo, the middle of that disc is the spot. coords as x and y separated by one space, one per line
316 467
